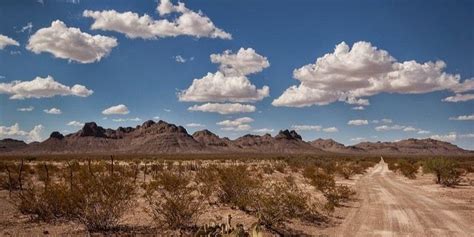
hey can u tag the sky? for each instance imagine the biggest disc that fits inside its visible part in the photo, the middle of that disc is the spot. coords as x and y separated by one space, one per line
349 70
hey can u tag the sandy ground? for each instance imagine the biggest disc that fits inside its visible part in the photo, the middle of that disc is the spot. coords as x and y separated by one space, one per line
387 204
391 205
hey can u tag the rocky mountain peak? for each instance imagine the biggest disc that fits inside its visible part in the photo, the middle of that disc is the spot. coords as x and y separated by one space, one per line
56 135
92 130
204 133
289 135
148 123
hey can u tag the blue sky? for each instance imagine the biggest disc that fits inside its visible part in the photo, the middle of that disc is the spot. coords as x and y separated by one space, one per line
138 67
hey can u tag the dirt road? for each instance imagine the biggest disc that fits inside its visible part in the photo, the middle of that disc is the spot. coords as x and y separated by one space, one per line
390 207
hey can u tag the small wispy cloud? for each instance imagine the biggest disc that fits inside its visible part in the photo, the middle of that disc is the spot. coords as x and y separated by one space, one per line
53 111
181 59
26 109
463 118
195 125
75 124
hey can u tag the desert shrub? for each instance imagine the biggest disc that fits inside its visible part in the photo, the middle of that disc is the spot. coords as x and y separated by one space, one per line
347 170
322 181
156 168
278 202
357 168
393 166
102 199
337 195
408 169
280 167
467 166
207 179
46 204
267 169
15 176
309 172
97 200
366 164
329 167
173 201
445 170
236 186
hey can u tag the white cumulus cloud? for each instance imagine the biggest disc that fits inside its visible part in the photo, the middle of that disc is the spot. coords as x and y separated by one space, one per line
117 109
451 137
6 41
230 83
42 88
244 62
16 132
223 108
188 23
239 124
348 74
217 87
70 43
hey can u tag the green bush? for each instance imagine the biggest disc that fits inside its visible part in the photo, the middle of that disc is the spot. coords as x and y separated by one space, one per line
408 169
446 171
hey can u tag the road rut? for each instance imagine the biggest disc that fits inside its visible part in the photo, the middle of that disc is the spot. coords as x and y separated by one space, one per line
390 207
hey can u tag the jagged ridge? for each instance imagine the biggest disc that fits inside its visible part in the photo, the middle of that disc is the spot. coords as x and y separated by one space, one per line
161 137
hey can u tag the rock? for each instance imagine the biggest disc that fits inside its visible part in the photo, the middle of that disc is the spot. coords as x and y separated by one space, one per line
92 130
285 134
56 135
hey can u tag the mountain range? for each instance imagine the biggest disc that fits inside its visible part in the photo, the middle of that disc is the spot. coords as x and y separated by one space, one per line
161 137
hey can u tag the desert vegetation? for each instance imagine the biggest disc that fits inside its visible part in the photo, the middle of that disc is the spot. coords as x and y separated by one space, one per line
199 196
447 171
179 195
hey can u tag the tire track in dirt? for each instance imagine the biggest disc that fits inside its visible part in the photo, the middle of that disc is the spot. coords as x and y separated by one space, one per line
390 207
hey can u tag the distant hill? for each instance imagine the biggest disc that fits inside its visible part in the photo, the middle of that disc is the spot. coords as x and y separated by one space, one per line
161 137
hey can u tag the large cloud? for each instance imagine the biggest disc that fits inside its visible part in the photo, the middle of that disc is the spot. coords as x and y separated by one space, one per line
5 41
117 109
230 83
41 88
70 43
349 74
217 87
225 108
14 131
134 26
